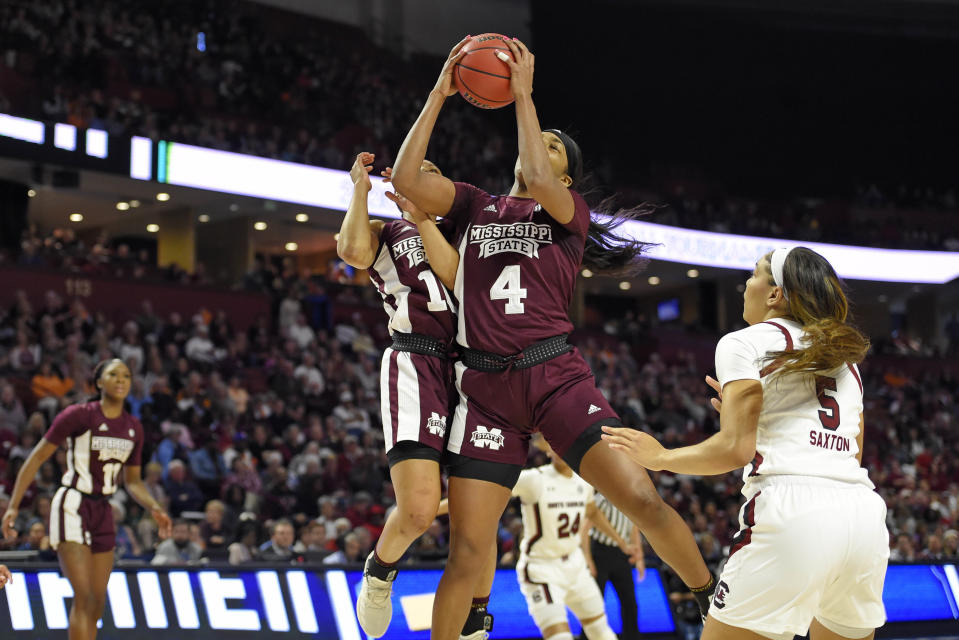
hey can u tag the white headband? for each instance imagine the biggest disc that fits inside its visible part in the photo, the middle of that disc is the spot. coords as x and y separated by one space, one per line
776 263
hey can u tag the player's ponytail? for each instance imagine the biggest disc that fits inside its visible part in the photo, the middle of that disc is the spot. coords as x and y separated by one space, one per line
817 301
608 252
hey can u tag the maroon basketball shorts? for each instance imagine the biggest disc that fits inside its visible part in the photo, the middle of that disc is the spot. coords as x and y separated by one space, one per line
77 517
499 411
416 392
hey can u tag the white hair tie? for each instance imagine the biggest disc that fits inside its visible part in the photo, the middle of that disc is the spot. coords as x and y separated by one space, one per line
776 263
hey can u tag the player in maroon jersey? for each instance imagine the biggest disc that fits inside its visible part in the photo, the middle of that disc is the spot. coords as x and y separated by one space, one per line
416 385
101 438
518 257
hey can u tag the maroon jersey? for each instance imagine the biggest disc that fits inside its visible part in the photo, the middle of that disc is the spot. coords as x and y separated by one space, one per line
414 298
97 446
517 269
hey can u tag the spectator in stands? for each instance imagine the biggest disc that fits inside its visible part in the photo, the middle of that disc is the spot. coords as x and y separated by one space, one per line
199 348
184 494
207 467
138 397
127 545
950 544
351 417
39 541
49 388
214 530
178 549
279 547
904 550
309 376
25 355
245 548
351 553
12 415
312 541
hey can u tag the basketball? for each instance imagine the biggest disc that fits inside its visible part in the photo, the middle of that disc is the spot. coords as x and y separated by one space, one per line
482 78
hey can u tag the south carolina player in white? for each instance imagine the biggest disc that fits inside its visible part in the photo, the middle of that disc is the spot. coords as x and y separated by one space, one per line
416 386
812 550
552 570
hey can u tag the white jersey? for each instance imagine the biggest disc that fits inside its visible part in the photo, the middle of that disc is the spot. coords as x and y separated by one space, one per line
553 508
809 423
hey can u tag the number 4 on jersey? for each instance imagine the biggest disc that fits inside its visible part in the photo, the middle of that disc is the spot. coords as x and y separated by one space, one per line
507 287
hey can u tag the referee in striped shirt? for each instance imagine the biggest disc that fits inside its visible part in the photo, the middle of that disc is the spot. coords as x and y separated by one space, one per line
609 564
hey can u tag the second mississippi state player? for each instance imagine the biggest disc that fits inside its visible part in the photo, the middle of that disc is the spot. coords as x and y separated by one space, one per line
101 439
552 569
416 388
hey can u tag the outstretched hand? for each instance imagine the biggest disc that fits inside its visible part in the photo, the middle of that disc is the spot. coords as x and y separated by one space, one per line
164 524
5 576
520 68
9 519
718 401
444 84
360 171
641 447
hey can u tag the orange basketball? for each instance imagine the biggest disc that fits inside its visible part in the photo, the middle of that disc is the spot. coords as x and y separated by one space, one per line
482 78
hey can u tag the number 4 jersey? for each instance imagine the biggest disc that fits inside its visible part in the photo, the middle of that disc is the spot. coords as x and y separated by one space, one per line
809 423
97 446
517 269
553 508
414 298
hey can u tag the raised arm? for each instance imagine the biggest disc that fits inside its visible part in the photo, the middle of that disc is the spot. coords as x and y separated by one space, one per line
443 257
138 491
541 183
359 236
732 448
40 454
433 193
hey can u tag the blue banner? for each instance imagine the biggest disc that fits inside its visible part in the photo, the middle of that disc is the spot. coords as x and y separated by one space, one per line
255 602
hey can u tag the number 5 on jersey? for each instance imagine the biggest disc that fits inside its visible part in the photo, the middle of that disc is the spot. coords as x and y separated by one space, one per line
507 287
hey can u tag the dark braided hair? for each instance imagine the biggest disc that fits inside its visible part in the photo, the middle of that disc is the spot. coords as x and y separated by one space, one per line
607 252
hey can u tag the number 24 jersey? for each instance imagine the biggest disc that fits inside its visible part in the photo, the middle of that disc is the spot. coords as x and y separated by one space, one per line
553 508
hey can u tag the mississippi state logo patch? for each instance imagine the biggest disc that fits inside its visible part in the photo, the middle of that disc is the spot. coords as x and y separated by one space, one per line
487 438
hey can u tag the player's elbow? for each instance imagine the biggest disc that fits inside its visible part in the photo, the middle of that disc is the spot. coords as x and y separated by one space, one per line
405 180
741 452
356 257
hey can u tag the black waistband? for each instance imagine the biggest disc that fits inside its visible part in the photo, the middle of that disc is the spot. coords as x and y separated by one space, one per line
419 343
536 353
91 496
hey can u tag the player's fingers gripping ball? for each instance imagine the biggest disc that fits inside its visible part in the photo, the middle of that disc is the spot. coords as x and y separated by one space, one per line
480 76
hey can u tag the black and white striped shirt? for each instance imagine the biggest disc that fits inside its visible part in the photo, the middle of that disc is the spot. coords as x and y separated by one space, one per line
622 524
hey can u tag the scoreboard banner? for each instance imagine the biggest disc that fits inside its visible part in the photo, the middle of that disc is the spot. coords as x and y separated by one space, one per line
300 602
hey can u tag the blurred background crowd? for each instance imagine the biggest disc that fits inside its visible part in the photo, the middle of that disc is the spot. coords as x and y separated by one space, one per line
245 77
265 442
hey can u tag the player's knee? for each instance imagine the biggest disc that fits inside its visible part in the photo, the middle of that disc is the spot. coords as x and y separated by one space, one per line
644 504
417 520
598 629
468 550
87 601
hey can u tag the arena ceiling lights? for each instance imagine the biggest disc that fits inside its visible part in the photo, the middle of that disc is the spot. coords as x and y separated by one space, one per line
211 169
